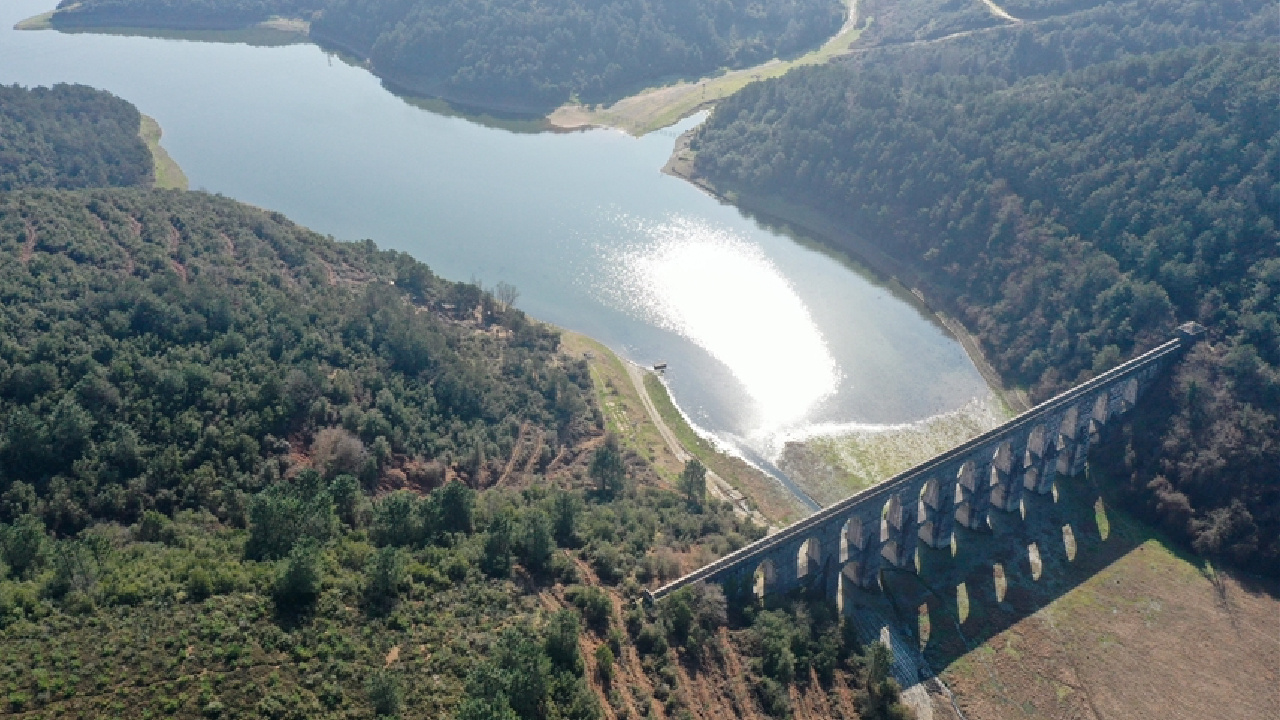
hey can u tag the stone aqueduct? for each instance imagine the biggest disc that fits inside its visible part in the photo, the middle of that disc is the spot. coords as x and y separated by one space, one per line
880 527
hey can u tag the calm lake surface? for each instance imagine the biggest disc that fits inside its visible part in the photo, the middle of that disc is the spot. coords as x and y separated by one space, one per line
766 337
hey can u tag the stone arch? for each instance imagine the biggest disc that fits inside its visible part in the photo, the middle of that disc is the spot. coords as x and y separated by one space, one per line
900 530
809 557
972 493
1006 477
936 512
1070 423
764 579
1102 407
1038 441
1129 395
1002 461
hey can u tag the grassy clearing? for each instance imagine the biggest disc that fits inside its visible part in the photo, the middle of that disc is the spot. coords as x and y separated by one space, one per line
831 468
43 21
623 410
659 107
626 417
169 174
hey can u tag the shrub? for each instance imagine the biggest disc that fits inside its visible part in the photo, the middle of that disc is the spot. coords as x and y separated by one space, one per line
384 577
604 663
298 584
562 641
596 607
385 693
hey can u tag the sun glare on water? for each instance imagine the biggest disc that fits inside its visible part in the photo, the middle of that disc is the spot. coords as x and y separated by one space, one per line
724 295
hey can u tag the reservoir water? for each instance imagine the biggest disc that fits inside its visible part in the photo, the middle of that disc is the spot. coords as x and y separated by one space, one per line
765 336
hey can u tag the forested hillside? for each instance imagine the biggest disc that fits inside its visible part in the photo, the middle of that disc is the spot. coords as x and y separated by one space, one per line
70 136
516 54
165 351
1074 219
249 471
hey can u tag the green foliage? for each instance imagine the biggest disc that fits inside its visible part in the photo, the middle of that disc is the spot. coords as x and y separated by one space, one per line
693 482
565 508
516 53
298 584
386 693
398 519
286 513
562 641
457 508
496 561
22 544
594 603
604 662
385 577
607 469
348 501
157 345
1073 220
536 543
70 136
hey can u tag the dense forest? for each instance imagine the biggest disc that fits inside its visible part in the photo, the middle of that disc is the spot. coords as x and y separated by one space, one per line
1072 219
249 471
515 54
70 136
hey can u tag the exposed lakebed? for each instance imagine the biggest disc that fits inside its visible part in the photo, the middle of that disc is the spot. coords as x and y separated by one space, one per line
766 336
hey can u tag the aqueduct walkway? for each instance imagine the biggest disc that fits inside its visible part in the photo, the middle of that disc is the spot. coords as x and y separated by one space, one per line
880 527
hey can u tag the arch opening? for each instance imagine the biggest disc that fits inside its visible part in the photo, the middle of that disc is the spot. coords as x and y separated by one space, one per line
809 558
764 579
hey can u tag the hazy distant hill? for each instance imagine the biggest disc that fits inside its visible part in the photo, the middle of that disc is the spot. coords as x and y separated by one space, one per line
515 54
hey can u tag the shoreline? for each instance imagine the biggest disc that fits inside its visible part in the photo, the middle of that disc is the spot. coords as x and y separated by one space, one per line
662 106
168 173
830 235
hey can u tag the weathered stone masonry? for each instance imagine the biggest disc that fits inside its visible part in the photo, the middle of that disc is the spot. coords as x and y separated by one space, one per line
880 527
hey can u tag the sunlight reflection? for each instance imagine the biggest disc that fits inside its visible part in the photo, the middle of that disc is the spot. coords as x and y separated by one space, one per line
724 295
1069 541
1002 585
1100 517
962 602
923 626
1033 557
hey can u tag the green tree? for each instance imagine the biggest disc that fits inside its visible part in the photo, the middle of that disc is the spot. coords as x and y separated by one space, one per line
457 508
496 560
607 468
879 659
348 501
604 662
565 508
396 520
298 583
536 544
385 575
386 693
693 482
562 641
23 544
286 513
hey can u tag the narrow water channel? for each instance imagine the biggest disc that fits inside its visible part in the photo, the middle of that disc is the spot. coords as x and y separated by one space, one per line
764 335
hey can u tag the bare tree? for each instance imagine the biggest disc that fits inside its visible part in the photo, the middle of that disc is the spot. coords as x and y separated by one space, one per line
506 293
